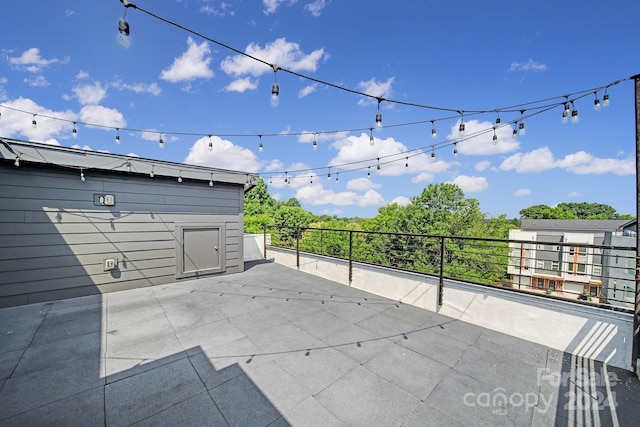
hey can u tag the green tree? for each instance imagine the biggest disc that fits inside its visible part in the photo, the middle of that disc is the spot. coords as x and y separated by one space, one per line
258 201
547 212
289 219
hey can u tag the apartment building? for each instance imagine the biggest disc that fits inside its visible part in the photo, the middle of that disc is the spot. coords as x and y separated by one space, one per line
585 259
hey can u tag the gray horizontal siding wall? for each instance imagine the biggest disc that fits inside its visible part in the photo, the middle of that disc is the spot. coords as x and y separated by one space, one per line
53 239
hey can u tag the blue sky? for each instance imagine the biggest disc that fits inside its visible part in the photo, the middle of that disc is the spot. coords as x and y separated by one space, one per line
62 61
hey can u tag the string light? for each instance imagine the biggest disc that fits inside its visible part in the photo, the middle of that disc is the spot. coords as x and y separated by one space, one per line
455 149
337 176
434 133
329 174
161 141
406 162
210 144
82 175
369 172
461 128
379 116
275 89
605 98
433 153
371 140
565 112
498 120
596 102
117 136
211 180
16 162
270 180
521 124
74 132
34 124
260 146
123 26
311 179
514 134
378 168
574 114
180 176
286 177
152 174
315 143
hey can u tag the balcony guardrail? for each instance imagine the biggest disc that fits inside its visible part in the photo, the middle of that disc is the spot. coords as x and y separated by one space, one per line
596 275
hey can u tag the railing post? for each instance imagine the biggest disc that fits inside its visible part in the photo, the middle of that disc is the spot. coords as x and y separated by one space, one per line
264 241
441 279
298 247
350 257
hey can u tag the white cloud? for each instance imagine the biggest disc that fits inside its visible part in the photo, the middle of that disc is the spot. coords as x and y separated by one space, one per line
82 75
38 81
392 155
316 7
221 10
307 90
4 80
281 52
315 194
31 61
69 12
241 85
103 116
18 124
270 6
423 177
224 154
192 64
361 184
531 65
574 194
522 192
479 139
471 184
375 88
331 212
90 93
401 201
580 163
150 88
274 165
482 166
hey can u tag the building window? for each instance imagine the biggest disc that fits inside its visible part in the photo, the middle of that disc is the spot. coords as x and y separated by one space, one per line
555 265
539 263
540 283
597 270
593 291
552 285
577 269
556 248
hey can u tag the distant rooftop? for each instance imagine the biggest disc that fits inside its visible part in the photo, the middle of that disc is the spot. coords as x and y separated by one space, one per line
573 224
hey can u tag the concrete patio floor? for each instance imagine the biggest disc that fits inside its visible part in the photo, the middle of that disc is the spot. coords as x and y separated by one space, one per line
274 346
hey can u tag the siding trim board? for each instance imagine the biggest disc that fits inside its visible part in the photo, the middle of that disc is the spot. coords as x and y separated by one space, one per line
54 239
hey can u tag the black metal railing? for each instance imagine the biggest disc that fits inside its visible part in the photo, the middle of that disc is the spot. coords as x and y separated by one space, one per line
587 274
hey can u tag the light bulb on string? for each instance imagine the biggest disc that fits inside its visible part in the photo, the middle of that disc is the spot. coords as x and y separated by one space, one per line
82 175
514 134
337 176
210 144
371 140
495 136
124 39
596 102
574 114
329 173
34 124
379 116
566 110
434 133
260 146
455 149
275 89
117 136
211 180
315 143
152 173
16 162
311 179
521 123
74 132
605 98
369 172
433 153
270 180
498 120
406 162
286 177
180 176
378 167
461 128
161 141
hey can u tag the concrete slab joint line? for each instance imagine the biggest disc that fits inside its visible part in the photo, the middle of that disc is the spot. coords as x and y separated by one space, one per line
276 346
